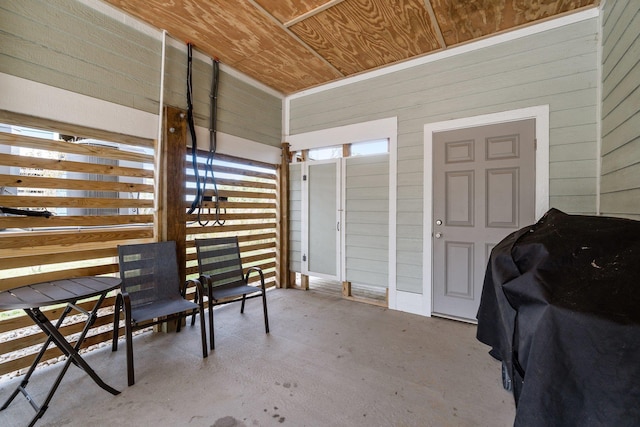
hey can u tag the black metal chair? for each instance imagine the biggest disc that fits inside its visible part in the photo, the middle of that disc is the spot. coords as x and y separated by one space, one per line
220 269
151 293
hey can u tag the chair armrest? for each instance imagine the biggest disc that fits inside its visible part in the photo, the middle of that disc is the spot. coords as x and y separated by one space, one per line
120 304
205 279
183 288
199 290
126 304
259 271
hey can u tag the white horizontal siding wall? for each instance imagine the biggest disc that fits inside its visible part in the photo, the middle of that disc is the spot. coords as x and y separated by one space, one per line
243 110
620 184
89 48
367 220
556 67
68 45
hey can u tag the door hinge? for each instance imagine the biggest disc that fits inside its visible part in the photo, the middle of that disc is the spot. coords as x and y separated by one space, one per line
304 257
304 177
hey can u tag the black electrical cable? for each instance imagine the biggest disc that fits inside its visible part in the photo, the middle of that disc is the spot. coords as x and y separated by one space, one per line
197 201
213 120
13 211
201 183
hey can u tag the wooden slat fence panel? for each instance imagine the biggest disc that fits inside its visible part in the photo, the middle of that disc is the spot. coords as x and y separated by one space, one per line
247 209
100 194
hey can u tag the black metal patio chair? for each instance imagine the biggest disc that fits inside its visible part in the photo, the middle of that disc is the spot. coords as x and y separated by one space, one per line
151 293
222 276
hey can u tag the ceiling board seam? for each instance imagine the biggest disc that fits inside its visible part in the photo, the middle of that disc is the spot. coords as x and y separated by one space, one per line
295 37
436 26
312 12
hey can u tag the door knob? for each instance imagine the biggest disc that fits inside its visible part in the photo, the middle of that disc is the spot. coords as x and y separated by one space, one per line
438 235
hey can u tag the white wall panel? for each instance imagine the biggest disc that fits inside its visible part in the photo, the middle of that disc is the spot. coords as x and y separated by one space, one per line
620 183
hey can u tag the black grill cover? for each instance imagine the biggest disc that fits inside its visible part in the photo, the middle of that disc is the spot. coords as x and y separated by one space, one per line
561 308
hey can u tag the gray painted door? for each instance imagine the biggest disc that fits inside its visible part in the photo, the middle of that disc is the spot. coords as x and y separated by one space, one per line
323 219
484 189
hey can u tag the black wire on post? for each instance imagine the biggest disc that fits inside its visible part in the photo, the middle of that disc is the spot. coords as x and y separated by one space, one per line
213 121
197 201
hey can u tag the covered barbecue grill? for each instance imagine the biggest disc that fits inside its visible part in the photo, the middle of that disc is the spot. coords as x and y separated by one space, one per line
561 309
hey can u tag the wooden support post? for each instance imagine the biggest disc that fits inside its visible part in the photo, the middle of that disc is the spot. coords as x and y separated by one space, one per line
346 150
282 214
292 279
304 282
346 286
159 186
173 176
346 289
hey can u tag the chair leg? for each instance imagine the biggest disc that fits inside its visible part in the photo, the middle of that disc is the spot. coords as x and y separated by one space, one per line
195 299
179 321
116 322
128 331
212 344
130 373
266 316
244 296
203 332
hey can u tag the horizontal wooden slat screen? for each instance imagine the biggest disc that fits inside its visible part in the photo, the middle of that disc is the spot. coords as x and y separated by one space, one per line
246 194
98 189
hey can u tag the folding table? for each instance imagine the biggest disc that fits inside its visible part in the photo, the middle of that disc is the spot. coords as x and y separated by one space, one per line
31 298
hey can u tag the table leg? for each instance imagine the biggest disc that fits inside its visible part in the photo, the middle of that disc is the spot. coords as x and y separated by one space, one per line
25 380
54 335
72 352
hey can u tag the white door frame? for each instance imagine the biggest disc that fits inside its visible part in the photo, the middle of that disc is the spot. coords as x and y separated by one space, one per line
541 116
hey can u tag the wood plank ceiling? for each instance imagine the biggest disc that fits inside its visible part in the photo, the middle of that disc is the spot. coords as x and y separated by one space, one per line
292 45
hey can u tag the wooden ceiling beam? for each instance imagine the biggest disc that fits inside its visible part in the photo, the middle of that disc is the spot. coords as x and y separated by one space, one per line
313 12
294 36
436 26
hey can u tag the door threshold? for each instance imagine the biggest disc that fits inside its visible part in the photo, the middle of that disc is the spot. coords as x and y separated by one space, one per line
459 319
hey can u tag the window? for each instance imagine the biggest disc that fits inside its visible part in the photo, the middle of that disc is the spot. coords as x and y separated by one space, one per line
367 148
325 153
362 148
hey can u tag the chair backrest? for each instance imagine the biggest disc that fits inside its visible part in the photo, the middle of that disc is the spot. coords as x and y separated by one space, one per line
219 258
149 271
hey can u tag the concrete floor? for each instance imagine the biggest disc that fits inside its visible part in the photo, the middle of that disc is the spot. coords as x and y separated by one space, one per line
327 362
